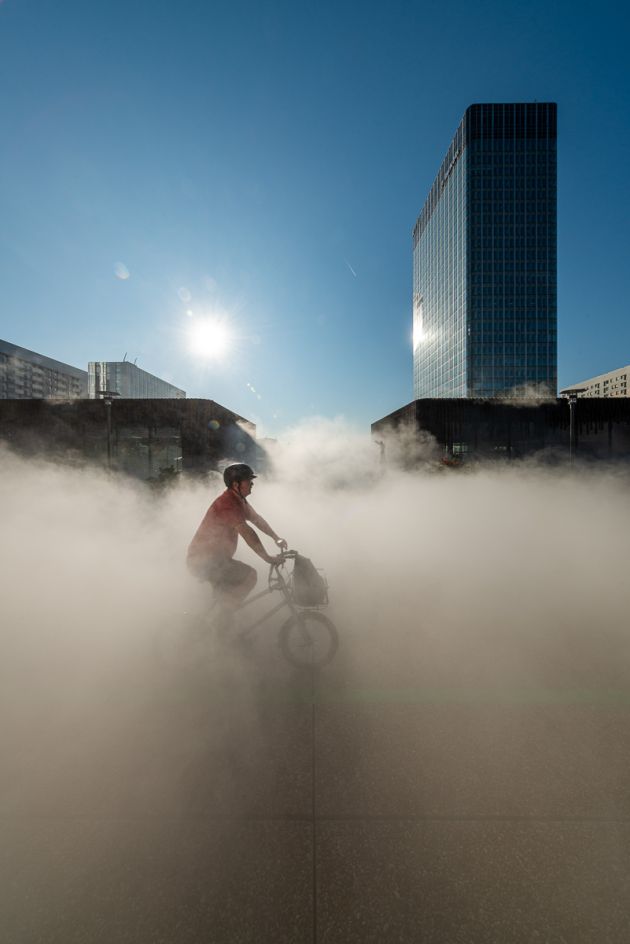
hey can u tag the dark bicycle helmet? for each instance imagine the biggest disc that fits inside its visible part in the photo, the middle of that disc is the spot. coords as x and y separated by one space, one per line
237 472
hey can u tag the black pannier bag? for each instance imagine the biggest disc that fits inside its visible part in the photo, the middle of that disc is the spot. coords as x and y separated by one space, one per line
309 587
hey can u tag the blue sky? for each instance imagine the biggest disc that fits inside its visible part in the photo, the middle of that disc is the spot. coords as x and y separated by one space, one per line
265 163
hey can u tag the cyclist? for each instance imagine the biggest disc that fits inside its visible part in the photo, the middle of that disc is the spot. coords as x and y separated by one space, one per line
211 552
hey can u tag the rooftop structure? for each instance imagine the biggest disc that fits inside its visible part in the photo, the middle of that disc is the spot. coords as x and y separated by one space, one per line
124 379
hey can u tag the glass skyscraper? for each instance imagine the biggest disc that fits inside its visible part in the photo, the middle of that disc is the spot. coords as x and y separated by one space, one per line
484 259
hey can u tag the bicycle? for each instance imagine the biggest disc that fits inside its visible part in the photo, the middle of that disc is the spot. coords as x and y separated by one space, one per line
307 639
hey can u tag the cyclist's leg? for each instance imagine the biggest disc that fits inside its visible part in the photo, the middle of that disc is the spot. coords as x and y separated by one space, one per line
232 580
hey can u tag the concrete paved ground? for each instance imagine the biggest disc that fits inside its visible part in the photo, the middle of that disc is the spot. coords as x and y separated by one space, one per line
397 796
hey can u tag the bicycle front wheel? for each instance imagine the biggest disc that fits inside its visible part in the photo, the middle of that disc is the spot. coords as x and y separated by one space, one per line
309 639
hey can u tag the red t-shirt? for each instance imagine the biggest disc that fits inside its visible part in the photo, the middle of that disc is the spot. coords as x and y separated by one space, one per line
217 535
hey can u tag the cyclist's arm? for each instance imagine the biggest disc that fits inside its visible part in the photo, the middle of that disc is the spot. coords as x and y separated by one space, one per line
266 528
250 537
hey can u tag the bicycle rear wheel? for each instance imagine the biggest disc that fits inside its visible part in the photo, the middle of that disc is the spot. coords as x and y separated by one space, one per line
309 639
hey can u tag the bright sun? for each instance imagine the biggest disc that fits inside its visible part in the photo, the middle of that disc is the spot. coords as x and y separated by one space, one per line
209 338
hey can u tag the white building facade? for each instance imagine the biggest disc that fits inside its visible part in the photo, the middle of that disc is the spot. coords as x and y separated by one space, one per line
26 375
612 384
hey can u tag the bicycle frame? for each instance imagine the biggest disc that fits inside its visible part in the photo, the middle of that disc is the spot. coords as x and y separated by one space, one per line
276 582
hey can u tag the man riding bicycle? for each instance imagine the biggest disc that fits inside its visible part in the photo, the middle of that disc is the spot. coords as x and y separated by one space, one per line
211 552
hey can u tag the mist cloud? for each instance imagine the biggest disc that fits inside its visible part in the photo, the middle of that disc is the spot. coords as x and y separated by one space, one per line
505 581
91 564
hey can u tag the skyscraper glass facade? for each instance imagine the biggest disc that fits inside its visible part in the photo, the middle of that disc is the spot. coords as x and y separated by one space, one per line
484 259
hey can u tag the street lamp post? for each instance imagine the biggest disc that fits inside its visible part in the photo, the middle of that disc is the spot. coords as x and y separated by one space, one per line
108 413
572 395
572 405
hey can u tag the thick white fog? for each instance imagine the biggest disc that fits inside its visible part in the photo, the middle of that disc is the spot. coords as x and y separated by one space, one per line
505 579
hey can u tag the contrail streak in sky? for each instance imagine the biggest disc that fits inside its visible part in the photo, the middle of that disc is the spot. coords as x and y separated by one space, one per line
350 267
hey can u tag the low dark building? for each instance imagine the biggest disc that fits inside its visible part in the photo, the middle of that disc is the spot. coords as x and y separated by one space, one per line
143 438
591 428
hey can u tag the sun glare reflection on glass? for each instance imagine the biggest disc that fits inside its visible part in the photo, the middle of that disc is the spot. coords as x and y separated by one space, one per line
209 338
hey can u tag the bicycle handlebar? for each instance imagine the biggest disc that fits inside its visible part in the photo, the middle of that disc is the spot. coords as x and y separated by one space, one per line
288 555
284 556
